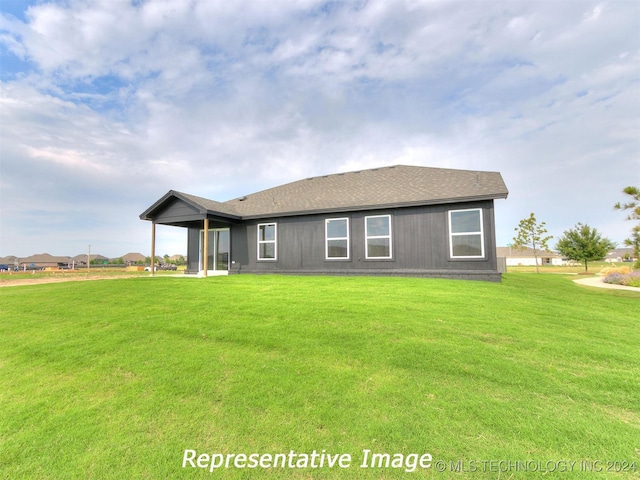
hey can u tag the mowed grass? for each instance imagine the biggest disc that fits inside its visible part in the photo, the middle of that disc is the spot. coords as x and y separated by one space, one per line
116 379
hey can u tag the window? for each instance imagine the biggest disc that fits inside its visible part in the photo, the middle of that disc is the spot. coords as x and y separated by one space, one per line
337 238
466 238
378 236
267 241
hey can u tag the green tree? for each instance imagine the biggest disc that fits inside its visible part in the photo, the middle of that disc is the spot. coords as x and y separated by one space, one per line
634 207
531 234
584 244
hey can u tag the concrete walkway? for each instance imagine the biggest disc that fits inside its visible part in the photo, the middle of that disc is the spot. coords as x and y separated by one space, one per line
598 282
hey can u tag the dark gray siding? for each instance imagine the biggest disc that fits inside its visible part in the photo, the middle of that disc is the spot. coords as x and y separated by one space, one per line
239 248
420 245
177 211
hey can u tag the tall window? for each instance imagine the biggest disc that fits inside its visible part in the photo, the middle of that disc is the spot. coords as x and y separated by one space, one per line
378 236
337 238
267 241
466 236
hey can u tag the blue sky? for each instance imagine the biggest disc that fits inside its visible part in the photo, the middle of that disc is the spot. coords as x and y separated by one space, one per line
108 104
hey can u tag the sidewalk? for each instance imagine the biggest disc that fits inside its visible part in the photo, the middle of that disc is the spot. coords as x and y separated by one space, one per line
597 282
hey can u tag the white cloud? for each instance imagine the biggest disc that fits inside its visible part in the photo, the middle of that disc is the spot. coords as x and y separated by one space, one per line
224 98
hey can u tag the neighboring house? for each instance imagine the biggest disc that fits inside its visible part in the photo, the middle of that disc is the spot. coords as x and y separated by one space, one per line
620 255
399 220
133 258
11 261
524 257
82 259
44 260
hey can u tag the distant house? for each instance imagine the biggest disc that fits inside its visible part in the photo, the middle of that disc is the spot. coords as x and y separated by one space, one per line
11 261
525 257
82 259
44 260
620 255
399 220
133 258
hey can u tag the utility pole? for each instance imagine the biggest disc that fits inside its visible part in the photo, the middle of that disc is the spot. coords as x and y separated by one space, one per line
89 260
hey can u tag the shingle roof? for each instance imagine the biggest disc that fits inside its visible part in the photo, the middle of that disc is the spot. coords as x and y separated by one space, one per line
384 187
133 257
82 257
376 188
620 252
203 205
45 258
210 205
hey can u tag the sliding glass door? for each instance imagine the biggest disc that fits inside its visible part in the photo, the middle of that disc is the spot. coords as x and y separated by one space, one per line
218 250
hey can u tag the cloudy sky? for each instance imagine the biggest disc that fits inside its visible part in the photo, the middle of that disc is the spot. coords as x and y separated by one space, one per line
108 104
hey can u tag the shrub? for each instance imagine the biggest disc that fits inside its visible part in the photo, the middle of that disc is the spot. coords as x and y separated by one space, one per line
631 279
609 270
614 278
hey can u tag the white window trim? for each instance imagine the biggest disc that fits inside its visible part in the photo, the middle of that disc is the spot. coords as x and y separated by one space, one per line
274 241
367 237
326 239
480 232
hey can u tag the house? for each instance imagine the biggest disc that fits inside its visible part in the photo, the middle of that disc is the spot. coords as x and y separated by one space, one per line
620 255
398 220
81 259
44 260
133 258
11 261
524 257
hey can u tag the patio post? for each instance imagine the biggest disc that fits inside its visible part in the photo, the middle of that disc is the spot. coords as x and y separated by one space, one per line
205 247
153 248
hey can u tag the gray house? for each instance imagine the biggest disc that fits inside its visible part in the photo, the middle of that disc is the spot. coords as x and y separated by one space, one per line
398 220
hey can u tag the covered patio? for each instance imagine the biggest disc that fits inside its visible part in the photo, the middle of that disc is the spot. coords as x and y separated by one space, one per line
209 223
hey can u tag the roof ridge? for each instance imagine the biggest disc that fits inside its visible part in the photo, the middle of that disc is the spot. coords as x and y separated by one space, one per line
373 169
354 171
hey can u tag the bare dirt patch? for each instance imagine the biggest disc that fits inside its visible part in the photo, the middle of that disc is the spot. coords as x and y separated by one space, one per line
15 280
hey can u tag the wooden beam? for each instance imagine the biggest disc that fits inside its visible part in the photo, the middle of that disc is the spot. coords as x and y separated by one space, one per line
153 248
205 247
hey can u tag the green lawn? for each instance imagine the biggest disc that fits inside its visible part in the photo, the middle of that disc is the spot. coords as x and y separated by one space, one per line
117 378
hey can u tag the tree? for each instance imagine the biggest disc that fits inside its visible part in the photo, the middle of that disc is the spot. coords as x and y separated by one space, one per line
531 234
584 244
634 206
